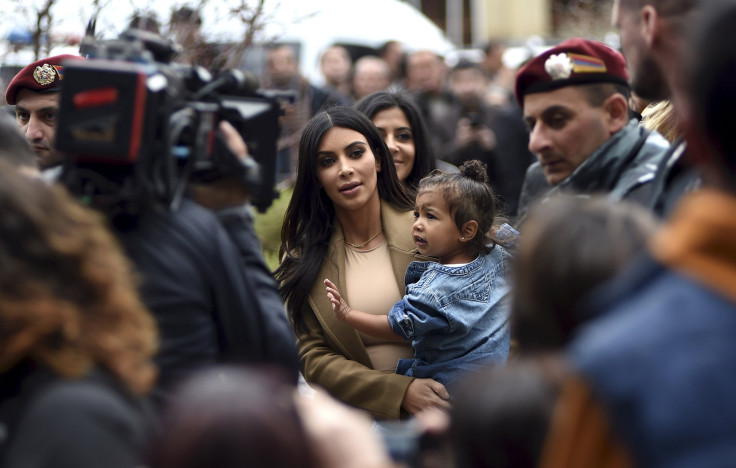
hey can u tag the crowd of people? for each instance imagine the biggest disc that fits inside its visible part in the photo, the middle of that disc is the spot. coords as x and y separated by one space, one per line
475 267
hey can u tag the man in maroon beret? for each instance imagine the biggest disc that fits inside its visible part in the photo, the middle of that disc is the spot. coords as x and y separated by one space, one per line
35 93
575 102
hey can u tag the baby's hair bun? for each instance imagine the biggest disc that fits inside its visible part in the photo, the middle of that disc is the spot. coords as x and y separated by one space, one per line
474 169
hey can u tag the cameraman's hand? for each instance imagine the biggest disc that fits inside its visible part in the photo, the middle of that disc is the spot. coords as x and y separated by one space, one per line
463 132
486 138
224 193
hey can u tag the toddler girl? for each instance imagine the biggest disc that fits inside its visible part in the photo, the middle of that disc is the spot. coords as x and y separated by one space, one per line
455 310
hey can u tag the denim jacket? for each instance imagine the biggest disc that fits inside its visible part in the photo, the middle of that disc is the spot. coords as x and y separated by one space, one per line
456 317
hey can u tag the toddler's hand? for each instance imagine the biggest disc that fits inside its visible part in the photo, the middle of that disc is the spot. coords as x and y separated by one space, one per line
339 306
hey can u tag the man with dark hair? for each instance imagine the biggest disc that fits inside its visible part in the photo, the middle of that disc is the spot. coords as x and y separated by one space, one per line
34 92
654 35
575 103
660 358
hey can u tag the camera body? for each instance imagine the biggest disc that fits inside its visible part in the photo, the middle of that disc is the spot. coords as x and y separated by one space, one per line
129 114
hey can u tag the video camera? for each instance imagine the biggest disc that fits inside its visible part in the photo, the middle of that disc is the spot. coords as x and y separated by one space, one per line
136 128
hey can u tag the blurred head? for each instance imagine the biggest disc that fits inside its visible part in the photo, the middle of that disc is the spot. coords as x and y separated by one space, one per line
282 65
145 22
371 74
393 54
391 113
501 416
233 417
649 29
493 57
185 23
570 245
574 98
468 83
67 295
710 95
425 72
335 65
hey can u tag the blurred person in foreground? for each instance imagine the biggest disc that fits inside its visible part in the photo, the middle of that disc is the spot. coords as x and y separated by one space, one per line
654 37
76 342
252 416
575 100
659 360
559 260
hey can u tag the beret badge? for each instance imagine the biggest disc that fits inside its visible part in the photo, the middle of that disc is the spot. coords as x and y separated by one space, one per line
44 75
559 67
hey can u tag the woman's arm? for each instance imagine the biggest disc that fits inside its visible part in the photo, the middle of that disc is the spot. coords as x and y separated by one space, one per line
373 325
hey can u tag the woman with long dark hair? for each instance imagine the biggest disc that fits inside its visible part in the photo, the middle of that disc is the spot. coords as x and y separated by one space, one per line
350 219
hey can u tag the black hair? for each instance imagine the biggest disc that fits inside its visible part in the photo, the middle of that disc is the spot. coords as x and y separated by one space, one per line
469 198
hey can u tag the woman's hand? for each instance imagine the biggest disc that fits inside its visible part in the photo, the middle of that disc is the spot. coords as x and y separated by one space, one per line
423 394
340 308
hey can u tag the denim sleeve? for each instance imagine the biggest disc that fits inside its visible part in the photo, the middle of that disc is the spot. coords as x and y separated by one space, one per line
416 315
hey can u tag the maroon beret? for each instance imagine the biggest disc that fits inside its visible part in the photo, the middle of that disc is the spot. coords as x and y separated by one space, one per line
42 76
572 62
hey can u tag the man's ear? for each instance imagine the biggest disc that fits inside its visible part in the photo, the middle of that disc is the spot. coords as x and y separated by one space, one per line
650 27
470 228
616 109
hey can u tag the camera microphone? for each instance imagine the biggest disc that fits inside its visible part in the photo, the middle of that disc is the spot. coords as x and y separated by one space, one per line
236 82
239 82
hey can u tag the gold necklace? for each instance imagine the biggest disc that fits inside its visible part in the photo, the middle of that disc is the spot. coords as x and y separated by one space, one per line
363 244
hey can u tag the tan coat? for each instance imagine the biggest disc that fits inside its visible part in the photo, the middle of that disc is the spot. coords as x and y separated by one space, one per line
332 354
